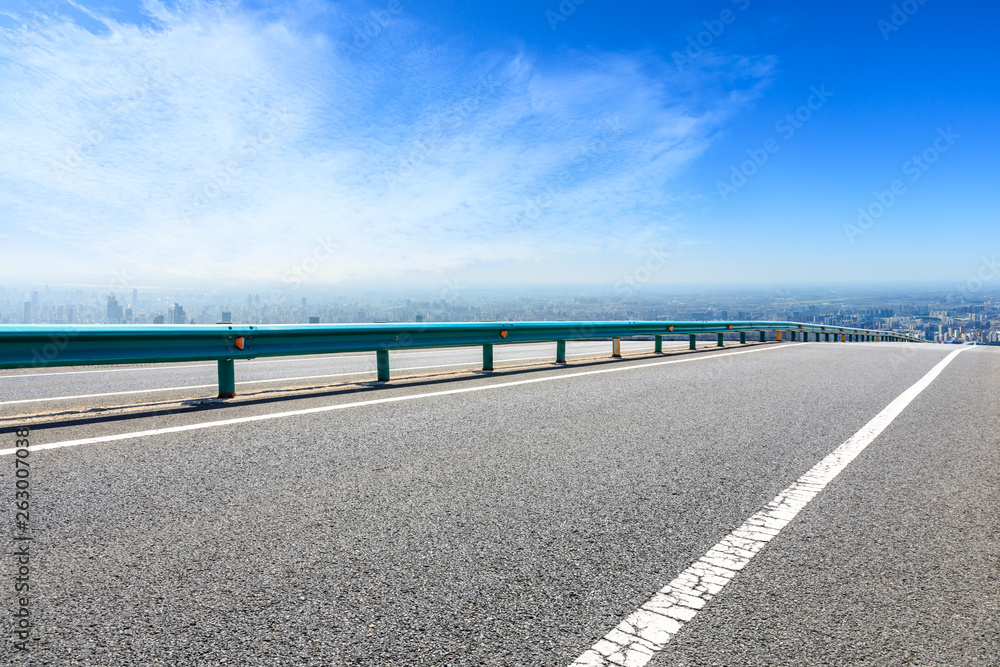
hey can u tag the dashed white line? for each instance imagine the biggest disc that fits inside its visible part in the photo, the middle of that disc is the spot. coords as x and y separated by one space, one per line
647 630
377 401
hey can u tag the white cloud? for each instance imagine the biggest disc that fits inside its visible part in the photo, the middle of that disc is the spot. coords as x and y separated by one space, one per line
220 144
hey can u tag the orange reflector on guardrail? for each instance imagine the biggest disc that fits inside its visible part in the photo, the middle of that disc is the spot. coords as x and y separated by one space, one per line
239 342
503 334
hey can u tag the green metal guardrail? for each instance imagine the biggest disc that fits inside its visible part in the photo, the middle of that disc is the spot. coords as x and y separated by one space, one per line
29 346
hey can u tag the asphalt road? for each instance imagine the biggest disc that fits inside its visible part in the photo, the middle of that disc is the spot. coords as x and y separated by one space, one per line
515 518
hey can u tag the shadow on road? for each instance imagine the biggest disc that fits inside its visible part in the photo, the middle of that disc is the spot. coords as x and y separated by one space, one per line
105 415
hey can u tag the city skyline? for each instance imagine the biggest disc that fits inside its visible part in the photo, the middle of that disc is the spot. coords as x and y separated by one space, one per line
956 314
418 143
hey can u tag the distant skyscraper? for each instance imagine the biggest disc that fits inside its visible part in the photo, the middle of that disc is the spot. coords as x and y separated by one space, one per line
115 311
27 312
158 319
135 299
176 315
227 317
313 320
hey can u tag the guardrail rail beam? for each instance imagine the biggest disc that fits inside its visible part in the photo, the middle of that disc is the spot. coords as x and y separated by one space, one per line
43 346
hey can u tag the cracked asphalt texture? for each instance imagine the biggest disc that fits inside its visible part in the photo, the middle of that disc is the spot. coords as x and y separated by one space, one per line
516 526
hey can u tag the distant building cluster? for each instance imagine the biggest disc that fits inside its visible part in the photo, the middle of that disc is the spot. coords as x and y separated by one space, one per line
934 317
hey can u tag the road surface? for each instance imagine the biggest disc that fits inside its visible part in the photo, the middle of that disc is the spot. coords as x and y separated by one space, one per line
513 518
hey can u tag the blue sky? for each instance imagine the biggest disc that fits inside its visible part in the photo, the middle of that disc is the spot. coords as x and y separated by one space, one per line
406 142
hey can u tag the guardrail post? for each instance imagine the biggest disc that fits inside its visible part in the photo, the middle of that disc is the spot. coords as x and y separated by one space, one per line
560 352
227 379
658 344
692 341
777 336
743 337
616 348
792 335
488 356
827 337
382 365
721 341
763 336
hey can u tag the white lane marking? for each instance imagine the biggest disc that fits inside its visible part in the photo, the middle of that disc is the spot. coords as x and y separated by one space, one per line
301 377
647 630
283 360
377 401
